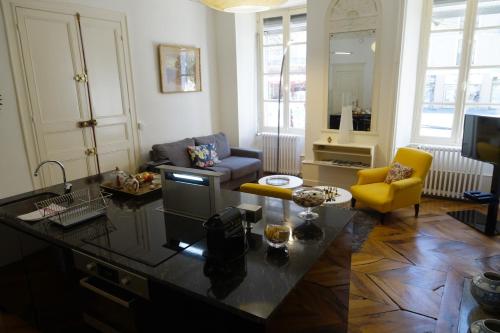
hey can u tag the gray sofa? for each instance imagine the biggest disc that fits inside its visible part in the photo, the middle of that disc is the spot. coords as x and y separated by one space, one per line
237 165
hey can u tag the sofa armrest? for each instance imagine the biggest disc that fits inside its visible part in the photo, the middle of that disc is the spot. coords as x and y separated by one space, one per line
151 165
247 152
370 176
253 153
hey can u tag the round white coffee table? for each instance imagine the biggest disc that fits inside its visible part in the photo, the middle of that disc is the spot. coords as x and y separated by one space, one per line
342 198
294 182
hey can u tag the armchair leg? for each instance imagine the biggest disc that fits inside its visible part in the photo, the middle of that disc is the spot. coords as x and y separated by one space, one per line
417 209
353 203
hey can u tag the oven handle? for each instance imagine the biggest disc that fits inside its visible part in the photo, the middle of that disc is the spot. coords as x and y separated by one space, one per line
85 284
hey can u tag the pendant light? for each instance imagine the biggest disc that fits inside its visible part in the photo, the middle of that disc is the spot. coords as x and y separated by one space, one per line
242 6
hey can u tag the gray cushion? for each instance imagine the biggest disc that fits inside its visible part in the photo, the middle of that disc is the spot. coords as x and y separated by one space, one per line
176 152
240 166
226 173
220 141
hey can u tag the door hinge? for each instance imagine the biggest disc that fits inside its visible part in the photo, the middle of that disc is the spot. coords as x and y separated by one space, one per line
81 78
91 151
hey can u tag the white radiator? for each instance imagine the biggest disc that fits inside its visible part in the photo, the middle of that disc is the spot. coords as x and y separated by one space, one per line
290 151
451 174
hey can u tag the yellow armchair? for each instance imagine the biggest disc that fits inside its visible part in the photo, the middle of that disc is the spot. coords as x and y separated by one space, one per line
376 194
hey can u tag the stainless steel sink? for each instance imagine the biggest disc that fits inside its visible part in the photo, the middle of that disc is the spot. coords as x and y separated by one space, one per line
25 205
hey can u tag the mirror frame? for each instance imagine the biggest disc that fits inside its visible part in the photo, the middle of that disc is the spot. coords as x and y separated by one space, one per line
347 16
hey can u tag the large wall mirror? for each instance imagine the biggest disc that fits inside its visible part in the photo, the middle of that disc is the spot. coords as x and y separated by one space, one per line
352 48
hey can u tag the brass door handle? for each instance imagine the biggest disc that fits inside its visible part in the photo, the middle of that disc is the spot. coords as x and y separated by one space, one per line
91 151
87 123
83 124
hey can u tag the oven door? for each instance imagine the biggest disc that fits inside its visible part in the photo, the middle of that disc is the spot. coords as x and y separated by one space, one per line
108 308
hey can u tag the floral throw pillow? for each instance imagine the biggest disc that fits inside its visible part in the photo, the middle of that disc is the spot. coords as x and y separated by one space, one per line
215 156
201 156
398 172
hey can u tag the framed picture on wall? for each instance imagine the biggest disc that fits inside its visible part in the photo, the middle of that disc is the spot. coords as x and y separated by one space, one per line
179 68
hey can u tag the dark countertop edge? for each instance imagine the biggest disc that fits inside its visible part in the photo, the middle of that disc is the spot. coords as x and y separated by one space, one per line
216 303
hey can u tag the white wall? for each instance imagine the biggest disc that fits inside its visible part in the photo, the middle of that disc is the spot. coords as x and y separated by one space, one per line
386 73
237 59
246 56
227 78
166 117
14 171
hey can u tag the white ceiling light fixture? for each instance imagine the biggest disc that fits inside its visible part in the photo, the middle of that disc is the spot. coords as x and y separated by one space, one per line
242 6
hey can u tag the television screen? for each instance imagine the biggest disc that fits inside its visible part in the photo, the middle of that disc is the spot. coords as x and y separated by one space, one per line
481 140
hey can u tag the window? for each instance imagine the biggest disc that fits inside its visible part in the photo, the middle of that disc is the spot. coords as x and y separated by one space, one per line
283 31
456 79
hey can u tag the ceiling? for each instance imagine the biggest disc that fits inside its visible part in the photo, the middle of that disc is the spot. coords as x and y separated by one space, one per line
288 4
294 3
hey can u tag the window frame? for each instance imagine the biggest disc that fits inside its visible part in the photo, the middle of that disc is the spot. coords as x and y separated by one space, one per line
286 14
467 50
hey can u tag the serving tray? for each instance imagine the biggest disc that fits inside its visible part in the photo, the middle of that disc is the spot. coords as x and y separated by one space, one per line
144 188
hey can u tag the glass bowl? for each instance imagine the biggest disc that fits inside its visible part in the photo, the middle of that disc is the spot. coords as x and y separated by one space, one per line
277 235
308 198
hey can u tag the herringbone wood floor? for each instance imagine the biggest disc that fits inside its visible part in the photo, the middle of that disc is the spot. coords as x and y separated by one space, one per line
409 274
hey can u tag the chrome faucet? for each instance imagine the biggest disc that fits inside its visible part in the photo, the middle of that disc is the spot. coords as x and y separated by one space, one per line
67 186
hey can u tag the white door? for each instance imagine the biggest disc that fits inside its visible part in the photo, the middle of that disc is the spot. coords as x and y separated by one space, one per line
52 57
105 59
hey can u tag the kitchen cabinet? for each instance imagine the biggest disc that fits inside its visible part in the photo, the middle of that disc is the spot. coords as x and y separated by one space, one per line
14 289
38 282
53 283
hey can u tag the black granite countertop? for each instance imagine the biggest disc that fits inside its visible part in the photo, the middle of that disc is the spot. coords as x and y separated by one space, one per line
259 281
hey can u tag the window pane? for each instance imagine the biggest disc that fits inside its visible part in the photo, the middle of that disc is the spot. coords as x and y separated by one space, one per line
298 58
298 87
483 86
298 28
486 51
297 115
440 86
488 14
437 120
483 110
271 87
273 30
495 90
448 15
445 49
271 114
273 56
430 88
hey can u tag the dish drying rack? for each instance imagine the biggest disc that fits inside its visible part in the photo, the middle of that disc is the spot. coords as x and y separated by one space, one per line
75 207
